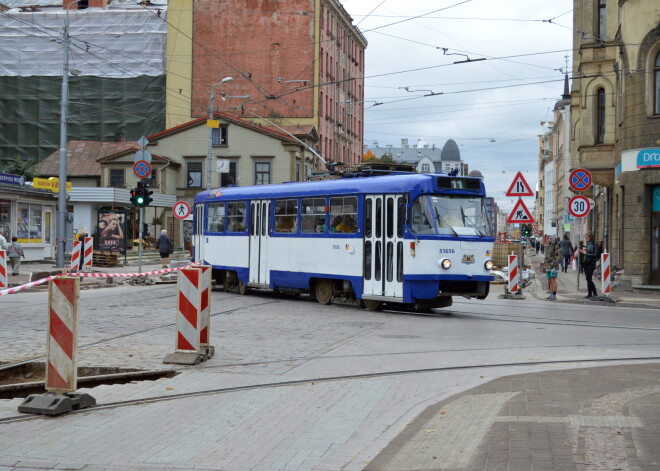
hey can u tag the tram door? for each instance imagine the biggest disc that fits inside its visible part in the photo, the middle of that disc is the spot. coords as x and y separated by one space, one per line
198 237
259 211
384 217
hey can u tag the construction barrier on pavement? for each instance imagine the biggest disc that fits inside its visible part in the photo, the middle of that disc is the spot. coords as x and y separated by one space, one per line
205 311
88 252
187 348
76 256
3 269
606 273
62 342
514 275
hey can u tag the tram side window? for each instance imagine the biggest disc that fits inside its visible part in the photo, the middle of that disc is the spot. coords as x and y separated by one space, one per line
236 216
421 219
286 216
343 214
216 217
312 215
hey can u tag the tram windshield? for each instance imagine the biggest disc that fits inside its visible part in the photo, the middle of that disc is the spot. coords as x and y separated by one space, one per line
450 215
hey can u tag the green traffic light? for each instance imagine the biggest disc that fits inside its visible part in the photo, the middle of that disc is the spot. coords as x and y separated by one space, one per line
139 200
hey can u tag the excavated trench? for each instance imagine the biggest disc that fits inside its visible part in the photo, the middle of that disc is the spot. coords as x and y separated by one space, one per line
24 379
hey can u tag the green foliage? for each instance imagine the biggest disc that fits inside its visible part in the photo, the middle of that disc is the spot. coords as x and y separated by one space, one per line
20 166
371 157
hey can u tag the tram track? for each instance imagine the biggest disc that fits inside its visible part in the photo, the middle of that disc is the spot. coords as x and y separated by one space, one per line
315 380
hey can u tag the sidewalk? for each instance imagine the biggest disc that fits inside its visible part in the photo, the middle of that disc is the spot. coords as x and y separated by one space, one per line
568 291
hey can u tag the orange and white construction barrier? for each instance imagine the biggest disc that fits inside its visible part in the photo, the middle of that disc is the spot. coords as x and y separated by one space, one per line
62 344
205 311
76 256
3 269
514 275
606 272
88 252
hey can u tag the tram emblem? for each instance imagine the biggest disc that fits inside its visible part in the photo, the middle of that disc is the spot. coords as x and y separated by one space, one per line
468 258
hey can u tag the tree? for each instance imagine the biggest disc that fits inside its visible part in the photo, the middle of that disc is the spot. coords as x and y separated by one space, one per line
369 156
20 166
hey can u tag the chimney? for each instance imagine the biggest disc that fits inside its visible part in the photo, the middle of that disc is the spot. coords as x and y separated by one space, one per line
119 136
404 143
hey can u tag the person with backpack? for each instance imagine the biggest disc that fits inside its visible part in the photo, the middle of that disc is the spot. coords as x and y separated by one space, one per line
591 257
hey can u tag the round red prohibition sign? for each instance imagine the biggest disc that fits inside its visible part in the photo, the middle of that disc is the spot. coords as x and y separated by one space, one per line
579 206
580 179
181 209
142 169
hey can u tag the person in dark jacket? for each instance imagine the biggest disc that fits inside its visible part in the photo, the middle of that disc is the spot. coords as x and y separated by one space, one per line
566 252
591 257
165 247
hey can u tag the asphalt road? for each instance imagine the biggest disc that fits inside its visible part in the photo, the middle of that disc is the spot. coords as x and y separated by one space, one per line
293 384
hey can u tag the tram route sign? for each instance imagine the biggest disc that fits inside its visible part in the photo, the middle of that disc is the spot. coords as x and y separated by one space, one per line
520 214
519 187
580 179
579 206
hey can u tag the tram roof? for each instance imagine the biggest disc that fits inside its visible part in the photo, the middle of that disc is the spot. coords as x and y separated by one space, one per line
421 182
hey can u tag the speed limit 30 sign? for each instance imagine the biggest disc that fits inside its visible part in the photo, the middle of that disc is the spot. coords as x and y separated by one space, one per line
579 206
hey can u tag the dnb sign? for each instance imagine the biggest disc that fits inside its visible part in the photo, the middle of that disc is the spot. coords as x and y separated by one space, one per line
648 158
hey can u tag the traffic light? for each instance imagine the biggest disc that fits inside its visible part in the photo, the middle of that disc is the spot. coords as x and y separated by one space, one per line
146 193
136 196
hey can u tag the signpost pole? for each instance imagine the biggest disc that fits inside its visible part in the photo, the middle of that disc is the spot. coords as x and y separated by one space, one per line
579 231
521 262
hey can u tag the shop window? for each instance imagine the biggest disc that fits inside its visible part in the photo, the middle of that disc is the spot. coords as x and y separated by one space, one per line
194 174
29 224
286 215
5 218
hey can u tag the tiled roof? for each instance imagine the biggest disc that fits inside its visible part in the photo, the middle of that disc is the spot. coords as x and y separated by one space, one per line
82 157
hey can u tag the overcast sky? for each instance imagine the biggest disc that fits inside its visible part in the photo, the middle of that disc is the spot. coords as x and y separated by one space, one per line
415 44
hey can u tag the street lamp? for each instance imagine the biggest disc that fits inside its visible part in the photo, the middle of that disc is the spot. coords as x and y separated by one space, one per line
210 147
60 241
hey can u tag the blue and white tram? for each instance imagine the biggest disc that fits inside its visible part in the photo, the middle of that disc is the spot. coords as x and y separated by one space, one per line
406 238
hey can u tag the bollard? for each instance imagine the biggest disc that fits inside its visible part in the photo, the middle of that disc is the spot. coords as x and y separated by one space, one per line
514 275
76 256
3 270
189 302
606 274
205 312
88 251
61 349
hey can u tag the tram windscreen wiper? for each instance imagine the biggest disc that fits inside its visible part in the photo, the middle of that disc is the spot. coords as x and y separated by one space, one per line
442 221
471 223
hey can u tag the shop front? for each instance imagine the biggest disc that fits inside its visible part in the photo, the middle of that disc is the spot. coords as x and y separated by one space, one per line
29 214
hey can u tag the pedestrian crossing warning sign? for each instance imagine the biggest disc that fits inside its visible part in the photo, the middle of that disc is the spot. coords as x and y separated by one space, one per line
519 187
520 214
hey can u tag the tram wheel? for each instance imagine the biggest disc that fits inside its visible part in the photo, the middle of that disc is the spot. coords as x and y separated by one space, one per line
372 304
242 288
323 291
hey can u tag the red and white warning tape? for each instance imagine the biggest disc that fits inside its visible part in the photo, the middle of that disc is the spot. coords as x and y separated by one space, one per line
88 275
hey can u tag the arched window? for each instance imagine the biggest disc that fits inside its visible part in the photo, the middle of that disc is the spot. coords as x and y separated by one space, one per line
656 74
600 116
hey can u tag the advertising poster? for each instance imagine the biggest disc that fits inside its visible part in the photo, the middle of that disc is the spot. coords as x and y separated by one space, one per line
112 227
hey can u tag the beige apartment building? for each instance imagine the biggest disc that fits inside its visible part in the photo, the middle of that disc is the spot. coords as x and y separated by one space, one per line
615 129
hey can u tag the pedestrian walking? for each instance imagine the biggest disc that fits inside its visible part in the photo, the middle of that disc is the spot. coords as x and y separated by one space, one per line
566 252
15 252
591 257
165 248
551 266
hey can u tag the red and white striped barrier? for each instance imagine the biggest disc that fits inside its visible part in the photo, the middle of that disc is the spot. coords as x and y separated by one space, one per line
189 303
62 344
3 269
606 272
88 252
514 275
88 275
205 306
76 256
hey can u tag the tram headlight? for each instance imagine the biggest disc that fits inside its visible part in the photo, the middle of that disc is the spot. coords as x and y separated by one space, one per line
445 263
488 265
